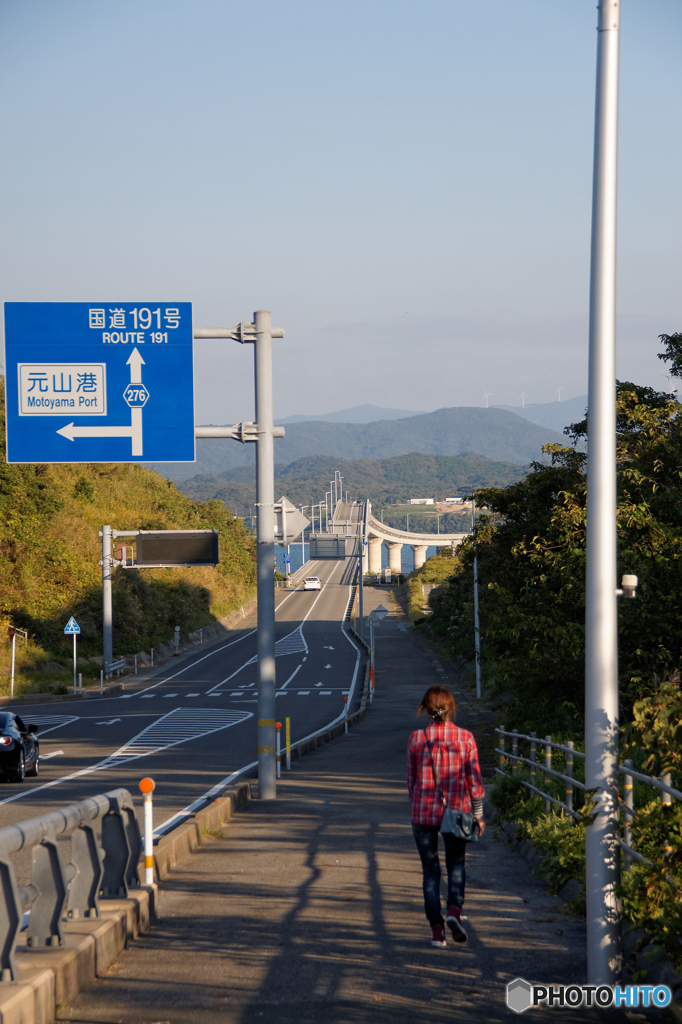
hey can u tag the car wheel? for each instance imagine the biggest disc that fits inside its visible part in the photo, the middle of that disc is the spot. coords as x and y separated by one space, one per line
20 773
35 767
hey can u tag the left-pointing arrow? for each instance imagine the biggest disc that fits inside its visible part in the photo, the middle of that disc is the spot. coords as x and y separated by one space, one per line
71 431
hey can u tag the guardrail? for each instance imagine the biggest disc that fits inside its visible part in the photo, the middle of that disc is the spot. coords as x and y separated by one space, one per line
73 889
626 769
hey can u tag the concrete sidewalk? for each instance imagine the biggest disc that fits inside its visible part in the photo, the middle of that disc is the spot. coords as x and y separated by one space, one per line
309 909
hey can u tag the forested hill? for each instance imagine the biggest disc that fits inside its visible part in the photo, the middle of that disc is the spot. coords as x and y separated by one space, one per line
495 433
50 518
383 481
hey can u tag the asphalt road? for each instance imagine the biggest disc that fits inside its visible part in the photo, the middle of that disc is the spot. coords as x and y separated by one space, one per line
194 723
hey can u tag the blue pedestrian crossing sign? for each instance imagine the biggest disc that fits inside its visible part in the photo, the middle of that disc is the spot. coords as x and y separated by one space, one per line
99 382
72 626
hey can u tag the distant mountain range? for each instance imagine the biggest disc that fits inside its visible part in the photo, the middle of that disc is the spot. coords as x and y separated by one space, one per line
495 433
555 415
383 481
358 414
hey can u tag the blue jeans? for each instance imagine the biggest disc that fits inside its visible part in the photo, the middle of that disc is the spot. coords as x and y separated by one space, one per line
426 838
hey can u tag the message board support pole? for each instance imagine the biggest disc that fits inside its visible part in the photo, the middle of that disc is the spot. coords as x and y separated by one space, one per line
601 622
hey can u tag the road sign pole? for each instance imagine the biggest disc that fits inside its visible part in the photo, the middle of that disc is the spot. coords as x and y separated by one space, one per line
107 616
265 553
74 663
601 648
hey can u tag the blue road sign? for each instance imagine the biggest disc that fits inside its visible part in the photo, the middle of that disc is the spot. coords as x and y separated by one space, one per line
72 626
99 382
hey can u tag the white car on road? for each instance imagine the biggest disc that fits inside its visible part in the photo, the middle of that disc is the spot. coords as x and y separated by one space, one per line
312 583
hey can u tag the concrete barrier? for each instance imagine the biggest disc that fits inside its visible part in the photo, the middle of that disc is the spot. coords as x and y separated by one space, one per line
53 977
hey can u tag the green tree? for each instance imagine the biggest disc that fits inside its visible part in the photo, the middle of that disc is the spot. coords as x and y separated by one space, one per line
531 550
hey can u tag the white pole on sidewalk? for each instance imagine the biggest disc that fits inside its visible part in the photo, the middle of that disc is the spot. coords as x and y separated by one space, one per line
601 648
147 788
14 648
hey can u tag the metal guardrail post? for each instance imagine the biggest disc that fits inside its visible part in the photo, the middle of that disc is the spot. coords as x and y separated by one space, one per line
515 750
533 756
502 758
49 884
629 804
569 772
548 764
667 781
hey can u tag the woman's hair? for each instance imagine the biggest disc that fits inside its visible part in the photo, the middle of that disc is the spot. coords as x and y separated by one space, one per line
439 703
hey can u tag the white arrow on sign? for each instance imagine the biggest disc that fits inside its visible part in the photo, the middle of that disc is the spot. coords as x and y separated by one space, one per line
134 431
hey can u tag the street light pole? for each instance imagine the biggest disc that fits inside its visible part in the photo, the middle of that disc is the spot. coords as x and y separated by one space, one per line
477 625
601 646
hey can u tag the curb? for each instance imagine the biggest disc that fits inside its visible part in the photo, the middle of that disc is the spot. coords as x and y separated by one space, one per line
49 978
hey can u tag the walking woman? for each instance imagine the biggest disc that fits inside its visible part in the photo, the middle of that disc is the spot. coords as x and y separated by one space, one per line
442 765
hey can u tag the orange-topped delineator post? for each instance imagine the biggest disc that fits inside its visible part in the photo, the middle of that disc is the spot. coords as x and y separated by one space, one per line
278 727
147 788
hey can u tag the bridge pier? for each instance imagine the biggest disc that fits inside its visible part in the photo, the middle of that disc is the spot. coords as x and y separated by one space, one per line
394 560
419 554
375 555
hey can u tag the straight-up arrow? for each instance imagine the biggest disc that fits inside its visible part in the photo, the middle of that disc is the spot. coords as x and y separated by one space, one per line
135 362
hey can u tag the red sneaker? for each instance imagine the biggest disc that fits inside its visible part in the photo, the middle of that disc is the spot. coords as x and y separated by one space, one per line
454 923
438 939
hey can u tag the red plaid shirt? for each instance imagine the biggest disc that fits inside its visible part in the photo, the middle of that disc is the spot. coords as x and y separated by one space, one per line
456 757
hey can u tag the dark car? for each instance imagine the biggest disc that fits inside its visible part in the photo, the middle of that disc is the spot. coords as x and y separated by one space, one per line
19 748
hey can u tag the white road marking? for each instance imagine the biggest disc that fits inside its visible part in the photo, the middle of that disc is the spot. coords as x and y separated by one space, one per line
167 731
191 694
325 693
110 722
147 696
166 695
327 666
303 693
289 643
284 685
53 753
52 721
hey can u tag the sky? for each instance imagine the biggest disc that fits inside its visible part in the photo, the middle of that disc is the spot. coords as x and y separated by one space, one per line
405 185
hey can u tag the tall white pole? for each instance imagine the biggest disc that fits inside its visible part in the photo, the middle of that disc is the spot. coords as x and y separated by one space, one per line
265 553
14 649
601 655
477 625
107 615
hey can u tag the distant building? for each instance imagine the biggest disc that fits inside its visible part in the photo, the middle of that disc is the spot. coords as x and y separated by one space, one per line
422 501
454 501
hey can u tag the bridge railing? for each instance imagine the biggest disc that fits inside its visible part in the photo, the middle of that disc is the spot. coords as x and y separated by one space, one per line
73 890
547 746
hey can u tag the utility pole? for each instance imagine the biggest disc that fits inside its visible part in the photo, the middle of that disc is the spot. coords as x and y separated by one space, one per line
601 648
107 615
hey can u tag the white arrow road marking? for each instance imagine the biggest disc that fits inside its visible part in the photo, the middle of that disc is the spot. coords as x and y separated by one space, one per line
328 648
53 753
327 666
110 722
319 684
179 726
